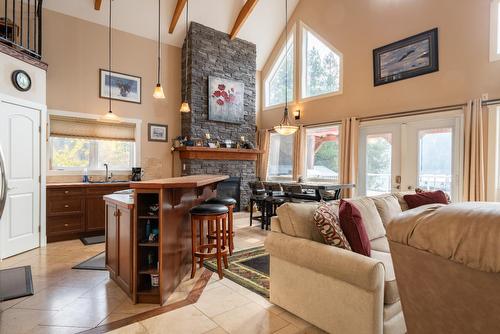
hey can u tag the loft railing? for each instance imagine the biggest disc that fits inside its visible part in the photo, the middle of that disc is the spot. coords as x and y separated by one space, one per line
21 25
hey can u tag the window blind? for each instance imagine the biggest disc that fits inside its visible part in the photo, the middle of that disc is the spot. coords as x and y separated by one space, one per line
62 126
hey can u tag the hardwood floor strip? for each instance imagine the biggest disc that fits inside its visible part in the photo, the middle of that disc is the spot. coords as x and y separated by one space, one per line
192 298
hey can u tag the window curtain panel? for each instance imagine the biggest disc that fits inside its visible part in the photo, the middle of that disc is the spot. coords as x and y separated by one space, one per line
298 154
349 153
474 188
263 137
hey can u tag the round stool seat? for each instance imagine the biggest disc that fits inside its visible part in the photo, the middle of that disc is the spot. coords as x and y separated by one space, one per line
223 201
209 209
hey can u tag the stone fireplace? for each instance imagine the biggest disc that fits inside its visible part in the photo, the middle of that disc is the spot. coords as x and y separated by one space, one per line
213 53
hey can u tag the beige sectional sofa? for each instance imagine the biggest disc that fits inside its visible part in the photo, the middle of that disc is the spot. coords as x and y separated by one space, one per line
336 290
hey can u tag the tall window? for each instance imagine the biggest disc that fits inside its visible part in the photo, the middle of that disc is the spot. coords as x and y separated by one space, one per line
321 66
323 154
280 166
495 30
275 85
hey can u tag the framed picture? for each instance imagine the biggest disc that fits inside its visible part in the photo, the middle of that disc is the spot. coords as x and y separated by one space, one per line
225 100
157 132
408 58
124 87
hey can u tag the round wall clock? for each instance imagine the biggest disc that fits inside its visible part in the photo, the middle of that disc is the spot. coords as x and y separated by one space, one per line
21 80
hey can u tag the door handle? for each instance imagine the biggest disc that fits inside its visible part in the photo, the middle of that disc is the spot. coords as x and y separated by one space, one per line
4 187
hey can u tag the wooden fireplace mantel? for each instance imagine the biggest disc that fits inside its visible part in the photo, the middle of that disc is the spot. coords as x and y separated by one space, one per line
206 153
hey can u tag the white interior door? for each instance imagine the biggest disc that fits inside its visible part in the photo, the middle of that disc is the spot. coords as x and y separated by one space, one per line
379 159
420 151
20 143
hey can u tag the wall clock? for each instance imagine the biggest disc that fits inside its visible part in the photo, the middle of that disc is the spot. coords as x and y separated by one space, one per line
21 80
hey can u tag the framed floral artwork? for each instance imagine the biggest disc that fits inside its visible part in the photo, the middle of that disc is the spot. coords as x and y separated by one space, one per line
225 100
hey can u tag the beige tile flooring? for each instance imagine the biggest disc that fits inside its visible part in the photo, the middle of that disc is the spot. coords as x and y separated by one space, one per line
69 301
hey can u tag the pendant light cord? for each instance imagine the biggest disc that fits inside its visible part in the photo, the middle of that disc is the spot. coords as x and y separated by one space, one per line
159 36
109 55
186 55
286 56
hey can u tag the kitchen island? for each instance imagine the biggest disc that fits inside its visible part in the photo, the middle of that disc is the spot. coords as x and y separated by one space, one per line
160 250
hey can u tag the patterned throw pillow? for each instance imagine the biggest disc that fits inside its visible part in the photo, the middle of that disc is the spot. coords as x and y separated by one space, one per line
328 224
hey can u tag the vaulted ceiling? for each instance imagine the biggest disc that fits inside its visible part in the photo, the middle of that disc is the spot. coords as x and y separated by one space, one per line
263 25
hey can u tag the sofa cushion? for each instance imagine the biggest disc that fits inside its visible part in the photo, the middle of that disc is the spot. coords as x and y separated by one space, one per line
391 294
371 218
387 207
401 200
297 220
352 224
328 225
424 198
380 245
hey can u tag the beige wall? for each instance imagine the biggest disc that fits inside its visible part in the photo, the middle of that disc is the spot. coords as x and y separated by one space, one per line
356 27
75 51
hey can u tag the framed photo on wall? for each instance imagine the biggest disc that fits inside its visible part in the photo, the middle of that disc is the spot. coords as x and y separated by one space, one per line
124 87
225 100
408 58
157 132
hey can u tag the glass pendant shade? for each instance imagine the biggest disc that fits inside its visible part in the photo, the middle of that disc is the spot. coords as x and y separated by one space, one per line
109 117
285 128
185 107
158 94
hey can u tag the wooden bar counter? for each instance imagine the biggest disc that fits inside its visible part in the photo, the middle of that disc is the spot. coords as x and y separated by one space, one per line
161 234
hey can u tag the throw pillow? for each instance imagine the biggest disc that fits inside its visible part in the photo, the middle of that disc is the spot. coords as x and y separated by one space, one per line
353 228
328 225
423 198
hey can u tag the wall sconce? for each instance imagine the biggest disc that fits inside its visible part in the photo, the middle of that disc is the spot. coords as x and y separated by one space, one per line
296 113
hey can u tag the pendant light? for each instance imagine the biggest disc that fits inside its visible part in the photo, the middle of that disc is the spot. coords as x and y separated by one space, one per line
109 116
185 105
158 93
285 128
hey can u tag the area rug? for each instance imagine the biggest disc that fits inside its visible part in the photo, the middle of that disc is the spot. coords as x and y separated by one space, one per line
15 283
98 239
97 262
248 268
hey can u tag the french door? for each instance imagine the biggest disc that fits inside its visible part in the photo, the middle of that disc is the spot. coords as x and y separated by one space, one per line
404 154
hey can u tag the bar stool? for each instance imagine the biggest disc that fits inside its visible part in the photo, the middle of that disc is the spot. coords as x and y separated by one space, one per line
215 215
230 203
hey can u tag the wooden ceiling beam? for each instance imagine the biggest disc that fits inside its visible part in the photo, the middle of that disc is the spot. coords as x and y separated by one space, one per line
177 13
97 4
242 17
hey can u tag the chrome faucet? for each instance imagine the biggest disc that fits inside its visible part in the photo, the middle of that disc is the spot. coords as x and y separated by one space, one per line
108 174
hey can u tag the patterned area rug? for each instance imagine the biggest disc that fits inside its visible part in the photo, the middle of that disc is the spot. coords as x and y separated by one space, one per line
249 268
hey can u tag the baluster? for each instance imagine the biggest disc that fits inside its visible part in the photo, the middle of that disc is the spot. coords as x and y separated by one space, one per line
13 21
22 25
29 10
5 18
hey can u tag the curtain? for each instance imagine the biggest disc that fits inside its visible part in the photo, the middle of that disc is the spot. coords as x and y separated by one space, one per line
63 126
298 153
263 137
349 153
474 165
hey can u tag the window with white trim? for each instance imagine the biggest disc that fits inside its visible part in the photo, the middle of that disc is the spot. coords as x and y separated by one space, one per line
275 84
321 66
495 30
280 165
322 158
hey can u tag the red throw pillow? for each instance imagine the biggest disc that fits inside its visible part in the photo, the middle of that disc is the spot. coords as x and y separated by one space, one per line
354 228
423 198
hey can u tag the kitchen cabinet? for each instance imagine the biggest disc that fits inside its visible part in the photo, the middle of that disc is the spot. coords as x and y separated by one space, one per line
119 237
76 210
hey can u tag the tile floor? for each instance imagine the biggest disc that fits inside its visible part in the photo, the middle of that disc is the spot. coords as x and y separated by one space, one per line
70 301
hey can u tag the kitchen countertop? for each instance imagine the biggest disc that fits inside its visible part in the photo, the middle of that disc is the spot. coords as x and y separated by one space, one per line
85 184
120 199
192 181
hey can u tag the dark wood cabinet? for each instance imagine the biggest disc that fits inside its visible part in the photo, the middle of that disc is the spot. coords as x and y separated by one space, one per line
119 234
77 210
